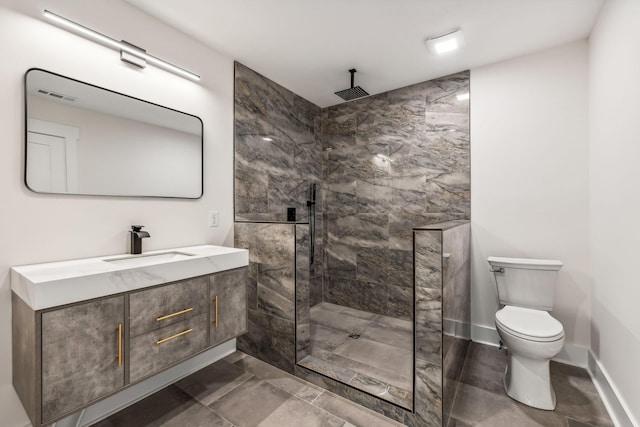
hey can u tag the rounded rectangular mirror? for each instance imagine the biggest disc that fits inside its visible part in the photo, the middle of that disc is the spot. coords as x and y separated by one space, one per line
83 139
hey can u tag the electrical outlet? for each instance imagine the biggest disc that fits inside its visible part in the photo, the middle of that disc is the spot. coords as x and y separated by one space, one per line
213 219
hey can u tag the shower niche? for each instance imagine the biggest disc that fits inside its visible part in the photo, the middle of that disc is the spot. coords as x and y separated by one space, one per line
367 296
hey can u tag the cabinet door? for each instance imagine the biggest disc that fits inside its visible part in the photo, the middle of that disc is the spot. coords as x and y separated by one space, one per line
228 305
82 354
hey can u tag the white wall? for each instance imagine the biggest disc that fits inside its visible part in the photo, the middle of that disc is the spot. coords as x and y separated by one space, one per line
614 115
38 228
529 178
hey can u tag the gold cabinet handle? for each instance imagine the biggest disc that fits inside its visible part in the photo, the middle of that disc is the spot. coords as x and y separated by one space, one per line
119 344
185 332
215 303
177 313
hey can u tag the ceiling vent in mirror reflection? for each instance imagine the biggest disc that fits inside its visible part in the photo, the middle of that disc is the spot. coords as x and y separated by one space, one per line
84 139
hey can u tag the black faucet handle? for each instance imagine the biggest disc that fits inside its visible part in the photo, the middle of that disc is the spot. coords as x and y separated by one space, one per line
136 228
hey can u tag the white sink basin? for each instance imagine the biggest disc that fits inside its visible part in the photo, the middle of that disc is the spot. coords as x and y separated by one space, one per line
150 259
53 284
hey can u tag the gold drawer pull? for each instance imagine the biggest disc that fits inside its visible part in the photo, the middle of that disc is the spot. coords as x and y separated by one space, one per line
177 313
215 302
119 344
185 332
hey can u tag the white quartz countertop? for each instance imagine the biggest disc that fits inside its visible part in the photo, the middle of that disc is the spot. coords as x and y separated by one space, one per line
53 284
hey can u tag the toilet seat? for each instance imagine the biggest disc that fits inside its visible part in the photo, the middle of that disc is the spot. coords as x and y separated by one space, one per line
529 324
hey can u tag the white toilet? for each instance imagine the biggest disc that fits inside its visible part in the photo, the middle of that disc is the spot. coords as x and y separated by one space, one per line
533 337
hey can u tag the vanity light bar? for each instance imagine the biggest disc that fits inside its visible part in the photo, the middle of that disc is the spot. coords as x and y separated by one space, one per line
126 49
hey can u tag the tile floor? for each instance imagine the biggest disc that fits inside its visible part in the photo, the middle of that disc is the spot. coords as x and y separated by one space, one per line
482 401
370 352
244 392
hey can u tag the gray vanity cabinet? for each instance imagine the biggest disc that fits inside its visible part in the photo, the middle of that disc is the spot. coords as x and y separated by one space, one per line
68 357
82 355
167 324
228 305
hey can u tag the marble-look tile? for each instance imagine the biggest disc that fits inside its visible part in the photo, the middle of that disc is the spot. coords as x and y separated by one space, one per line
271 339
373 264
441 94
214 381
401 226
484 368
382 378
166 408
329 369
277 152
352 412
428 394
287 382
324 315
383 407
357 162
399 396
365 315
373 196
577 396
481 408
338 131
378 355
341 260
373 297
575 423
291 412
428 324
250 403
428 259
383 332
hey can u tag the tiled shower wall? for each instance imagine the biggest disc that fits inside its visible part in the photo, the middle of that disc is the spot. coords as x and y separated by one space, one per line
277 291
277 149
391 162
278 155
442 324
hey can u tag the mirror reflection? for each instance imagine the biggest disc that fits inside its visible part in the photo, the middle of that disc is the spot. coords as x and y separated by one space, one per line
83 139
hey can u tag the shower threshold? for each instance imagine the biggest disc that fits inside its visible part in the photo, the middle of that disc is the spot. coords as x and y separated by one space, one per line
369 352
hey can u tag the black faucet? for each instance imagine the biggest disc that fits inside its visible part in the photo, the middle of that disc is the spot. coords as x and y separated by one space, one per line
136 238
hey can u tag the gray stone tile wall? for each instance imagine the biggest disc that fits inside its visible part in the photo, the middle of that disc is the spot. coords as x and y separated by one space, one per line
391 162
442 286
273 174
270 292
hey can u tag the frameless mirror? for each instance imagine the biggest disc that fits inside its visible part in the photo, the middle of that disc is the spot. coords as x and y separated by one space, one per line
83 139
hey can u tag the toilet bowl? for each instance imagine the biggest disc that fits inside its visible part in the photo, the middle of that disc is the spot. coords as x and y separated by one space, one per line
533 338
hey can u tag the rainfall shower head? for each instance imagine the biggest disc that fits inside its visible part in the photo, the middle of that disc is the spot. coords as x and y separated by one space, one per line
353 92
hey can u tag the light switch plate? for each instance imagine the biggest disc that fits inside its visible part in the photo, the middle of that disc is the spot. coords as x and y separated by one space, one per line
213 218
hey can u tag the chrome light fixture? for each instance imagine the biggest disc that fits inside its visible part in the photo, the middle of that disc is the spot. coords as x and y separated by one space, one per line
128 52
447 42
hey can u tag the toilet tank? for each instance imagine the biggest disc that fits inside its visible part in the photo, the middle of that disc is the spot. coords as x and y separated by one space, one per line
525 282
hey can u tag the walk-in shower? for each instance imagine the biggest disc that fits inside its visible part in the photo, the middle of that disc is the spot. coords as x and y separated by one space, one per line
332 295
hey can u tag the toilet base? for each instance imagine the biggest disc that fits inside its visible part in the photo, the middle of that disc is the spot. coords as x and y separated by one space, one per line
528 381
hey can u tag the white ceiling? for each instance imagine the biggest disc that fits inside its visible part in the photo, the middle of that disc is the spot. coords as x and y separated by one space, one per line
308 45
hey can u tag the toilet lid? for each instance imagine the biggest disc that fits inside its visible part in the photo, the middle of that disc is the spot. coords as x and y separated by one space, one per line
536 325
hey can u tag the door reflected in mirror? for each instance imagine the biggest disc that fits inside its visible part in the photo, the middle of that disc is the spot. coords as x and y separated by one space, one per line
83 139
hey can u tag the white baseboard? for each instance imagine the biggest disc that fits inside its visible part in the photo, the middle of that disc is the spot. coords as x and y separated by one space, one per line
571 354
485 335
616 406
139 391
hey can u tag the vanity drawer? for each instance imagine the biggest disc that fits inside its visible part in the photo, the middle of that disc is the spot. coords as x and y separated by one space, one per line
156 308
158 349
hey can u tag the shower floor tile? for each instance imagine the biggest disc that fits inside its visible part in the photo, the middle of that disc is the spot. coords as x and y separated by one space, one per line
370 352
